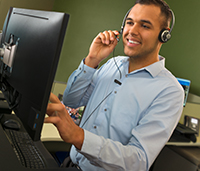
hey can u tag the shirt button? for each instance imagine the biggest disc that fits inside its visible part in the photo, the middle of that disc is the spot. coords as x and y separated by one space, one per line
115 92
79 68
95 127
126 75
105 110
84 71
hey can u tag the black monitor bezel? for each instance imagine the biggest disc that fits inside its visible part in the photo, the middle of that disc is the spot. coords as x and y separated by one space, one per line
14 80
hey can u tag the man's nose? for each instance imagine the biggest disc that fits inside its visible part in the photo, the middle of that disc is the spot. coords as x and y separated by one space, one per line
134 29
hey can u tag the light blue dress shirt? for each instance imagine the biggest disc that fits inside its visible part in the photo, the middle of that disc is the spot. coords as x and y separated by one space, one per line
125 126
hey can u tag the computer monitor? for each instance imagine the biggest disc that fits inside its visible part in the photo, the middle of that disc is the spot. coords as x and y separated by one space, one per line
31 45
186 86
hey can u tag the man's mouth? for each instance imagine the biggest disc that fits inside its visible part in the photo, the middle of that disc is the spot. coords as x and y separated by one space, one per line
132 41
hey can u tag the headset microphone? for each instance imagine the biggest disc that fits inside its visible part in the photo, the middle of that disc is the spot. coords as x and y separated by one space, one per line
117 81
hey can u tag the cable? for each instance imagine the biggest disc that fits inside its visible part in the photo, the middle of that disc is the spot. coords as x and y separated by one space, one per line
108 94
96 108
120 73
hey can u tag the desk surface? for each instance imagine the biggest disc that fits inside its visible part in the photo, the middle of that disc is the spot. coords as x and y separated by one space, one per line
50 133
184 144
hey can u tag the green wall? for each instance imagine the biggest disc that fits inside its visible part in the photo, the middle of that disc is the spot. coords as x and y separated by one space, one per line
183 51
29 4
89 17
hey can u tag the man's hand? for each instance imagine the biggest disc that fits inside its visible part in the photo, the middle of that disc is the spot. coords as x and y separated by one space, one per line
68 130
101 47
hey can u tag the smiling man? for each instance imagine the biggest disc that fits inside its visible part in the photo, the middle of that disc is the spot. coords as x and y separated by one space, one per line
140 36
133 102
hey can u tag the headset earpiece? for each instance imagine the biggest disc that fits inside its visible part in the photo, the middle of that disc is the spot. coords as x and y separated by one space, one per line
164 35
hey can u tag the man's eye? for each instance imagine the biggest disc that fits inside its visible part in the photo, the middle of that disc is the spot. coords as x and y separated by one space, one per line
129 23
145 26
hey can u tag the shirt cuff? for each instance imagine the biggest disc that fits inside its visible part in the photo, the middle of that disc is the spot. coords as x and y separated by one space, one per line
92 144
85 71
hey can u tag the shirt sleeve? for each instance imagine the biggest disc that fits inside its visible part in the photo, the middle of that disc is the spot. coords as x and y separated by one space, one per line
158 122
112 155
147 139
79 86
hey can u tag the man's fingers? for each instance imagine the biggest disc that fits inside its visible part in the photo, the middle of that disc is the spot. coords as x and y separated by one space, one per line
108 37
54 99
53 120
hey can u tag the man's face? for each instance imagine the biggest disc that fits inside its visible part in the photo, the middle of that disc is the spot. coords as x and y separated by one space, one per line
140 35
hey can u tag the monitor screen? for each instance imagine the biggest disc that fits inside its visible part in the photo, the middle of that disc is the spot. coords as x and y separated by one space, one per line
186 86
32 42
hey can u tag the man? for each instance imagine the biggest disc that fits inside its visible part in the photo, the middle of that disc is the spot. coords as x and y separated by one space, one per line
133 102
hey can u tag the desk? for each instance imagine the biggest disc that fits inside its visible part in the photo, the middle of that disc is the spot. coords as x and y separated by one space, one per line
9 161
50 133
176 158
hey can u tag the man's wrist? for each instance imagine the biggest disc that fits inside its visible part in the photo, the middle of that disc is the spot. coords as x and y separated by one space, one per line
93 63
79 139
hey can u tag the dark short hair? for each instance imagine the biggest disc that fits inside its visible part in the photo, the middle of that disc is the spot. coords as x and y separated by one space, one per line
164 7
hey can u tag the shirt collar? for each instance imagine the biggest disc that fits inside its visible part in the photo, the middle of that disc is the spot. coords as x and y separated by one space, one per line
153 69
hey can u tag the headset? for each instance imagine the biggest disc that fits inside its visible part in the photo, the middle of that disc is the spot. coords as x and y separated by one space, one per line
164 34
